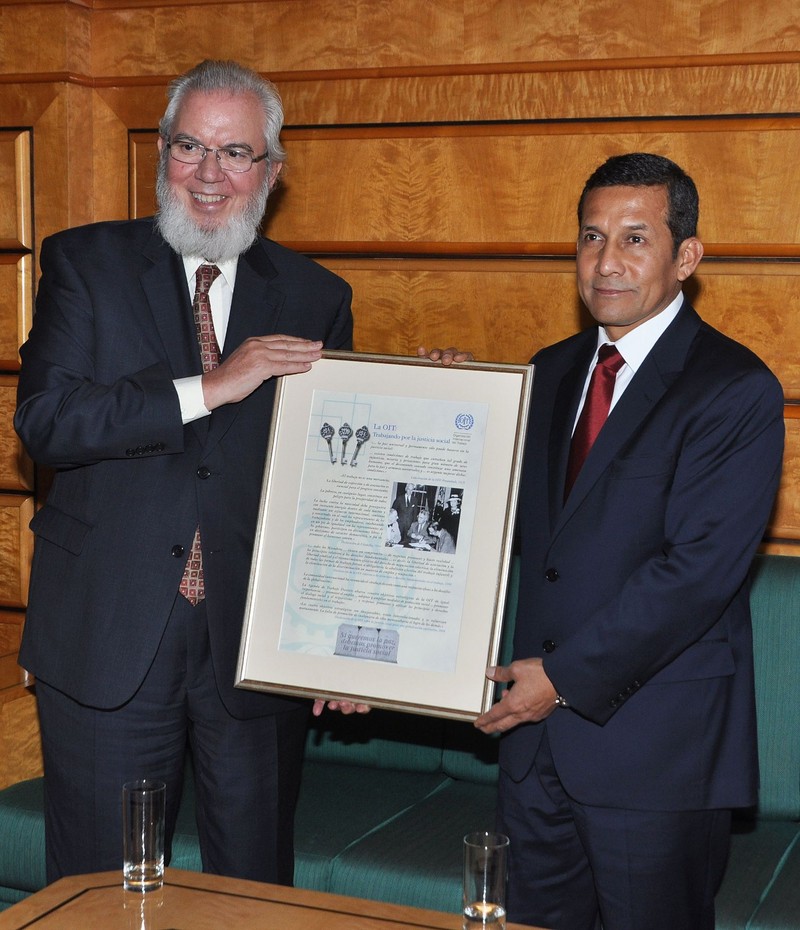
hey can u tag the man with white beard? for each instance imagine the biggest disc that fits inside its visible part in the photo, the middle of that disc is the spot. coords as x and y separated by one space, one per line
147 385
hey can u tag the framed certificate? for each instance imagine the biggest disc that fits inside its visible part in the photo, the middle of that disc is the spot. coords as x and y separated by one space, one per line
384 534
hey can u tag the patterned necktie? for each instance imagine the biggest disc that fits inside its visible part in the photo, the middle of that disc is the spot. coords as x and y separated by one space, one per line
595 410
192 585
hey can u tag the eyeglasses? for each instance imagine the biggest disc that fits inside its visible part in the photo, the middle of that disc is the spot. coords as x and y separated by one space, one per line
229 158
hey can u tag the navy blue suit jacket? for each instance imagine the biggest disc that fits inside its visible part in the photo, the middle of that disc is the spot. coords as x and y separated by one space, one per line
635 591
113 329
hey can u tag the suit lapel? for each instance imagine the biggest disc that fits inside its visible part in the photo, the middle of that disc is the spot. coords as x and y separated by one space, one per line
662 366
564 410
164 285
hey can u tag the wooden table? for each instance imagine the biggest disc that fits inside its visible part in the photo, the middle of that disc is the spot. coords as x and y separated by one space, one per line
193 901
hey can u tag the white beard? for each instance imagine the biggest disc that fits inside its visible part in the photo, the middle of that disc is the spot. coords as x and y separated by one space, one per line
215 244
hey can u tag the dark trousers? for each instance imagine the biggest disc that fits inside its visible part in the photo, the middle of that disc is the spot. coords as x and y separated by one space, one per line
576 867
247 772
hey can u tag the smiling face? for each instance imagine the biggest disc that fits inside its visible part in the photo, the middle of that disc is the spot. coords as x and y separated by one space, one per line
217 119
203 209
626 267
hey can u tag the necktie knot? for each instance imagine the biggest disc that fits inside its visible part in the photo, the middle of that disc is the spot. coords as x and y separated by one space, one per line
205 276
608 356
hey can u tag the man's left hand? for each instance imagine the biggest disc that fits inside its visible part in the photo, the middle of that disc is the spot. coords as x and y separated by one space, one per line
530 700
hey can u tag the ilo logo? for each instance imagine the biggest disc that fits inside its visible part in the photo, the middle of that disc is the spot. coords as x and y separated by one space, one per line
465 421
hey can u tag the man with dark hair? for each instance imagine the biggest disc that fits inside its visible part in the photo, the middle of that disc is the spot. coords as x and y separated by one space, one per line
640 169
154 410
629 732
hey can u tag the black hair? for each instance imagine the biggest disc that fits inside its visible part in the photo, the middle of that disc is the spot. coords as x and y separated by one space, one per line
642 169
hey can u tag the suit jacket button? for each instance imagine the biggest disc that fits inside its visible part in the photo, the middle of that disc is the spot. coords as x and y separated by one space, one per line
551 574
203 471
548 645
178 551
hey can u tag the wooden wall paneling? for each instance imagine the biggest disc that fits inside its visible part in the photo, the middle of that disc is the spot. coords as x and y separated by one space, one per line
35 109
16 287
501 92
20 747
758 304
10 631
513 189
143 155
136 37
83 148
783 534
110 168
61 151
136 105
16 469
42 38
15 189
16 545
11 674
542 91
505 310
501 310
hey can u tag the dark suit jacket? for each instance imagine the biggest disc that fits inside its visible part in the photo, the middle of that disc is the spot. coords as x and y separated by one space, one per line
635 591
113 328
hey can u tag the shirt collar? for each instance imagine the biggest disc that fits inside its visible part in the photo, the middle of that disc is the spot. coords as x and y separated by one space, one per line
227 269
635 345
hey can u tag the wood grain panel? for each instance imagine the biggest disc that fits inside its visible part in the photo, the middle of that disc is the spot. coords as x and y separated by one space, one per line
506 310
16 198
757 304
499 310
44 37
10 672
16 549
505 187
502 92
512 189
136 37
16 304
20 744
56 154
143 155
16 469
785 522
10 632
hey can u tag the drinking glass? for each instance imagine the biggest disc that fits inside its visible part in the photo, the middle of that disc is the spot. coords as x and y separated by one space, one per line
143 809
485 880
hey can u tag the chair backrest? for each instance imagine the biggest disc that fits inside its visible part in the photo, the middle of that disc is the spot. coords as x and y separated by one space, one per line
380 739
775 604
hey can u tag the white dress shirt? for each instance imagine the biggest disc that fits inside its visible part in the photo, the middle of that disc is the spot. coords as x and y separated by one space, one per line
190 390
634 347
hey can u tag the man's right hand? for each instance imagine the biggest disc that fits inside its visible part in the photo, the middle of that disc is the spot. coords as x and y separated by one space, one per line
445 356
256 360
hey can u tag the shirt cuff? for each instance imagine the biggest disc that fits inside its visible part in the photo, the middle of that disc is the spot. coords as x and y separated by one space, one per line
190 397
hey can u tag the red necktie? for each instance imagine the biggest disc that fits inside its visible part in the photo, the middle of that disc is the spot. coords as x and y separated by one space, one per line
595 410
192 586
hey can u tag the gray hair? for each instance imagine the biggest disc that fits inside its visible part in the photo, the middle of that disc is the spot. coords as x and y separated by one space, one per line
210 76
